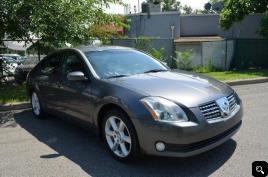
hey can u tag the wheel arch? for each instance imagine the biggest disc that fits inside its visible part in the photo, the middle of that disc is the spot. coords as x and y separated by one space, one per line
108 107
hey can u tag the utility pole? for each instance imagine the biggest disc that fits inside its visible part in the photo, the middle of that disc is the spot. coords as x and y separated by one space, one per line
139 6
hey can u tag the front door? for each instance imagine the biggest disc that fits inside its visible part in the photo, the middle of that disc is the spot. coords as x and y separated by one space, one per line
75 95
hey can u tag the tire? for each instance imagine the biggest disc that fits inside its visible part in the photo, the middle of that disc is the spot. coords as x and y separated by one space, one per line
121 142
36 105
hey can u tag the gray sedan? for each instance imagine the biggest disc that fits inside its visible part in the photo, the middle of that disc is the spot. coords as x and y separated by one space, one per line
136 104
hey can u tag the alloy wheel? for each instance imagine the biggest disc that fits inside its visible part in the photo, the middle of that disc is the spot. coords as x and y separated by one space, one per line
118 136
35 104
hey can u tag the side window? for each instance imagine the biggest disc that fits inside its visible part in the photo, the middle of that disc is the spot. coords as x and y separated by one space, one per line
71 63
50 65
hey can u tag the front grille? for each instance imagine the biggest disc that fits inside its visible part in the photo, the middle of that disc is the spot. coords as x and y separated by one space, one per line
232 102
212 111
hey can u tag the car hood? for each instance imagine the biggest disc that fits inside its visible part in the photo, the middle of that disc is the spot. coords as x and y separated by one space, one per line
189 89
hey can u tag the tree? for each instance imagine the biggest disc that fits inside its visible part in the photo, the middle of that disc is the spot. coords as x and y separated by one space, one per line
213 6
208 6
54 21
187 10
105 32
236 10
171 5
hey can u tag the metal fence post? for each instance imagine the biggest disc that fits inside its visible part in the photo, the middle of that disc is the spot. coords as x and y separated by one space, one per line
226 56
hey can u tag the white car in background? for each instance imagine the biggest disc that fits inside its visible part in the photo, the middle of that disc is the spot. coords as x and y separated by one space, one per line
9 66
19 59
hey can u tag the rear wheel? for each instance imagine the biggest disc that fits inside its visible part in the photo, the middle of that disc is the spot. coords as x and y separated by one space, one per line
36 106
120 136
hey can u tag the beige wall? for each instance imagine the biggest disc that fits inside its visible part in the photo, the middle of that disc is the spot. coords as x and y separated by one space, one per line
196 48
219 52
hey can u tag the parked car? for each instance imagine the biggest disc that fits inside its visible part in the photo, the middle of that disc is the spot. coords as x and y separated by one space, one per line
24 68
9 66
136 104
19 59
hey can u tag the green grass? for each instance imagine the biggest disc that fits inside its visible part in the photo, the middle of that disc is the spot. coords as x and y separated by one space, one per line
237 75
12 94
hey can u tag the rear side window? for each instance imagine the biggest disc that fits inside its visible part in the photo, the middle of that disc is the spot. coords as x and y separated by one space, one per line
50 65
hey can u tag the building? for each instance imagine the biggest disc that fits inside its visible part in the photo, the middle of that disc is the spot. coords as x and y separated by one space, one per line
201 34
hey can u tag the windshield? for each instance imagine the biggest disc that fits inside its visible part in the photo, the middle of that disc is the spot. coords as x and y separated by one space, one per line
113 63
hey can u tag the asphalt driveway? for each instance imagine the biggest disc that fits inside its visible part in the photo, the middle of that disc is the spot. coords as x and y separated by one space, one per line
53 147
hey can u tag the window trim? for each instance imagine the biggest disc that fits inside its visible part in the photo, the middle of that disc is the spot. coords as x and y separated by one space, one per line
64 52
46 59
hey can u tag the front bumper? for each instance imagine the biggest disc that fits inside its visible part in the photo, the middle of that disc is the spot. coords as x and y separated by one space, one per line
186 140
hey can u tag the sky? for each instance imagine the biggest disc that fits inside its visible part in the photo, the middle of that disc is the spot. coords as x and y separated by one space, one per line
195 4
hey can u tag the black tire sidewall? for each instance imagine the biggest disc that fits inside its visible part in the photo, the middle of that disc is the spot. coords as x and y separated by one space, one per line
134 152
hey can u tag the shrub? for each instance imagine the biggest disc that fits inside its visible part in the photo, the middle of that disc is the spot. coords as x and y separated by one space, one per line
158 54
205 69
183 59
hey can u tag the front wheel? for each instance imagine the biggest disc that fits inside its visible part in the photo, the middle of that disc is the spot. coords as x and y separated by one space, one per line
36 106
119 136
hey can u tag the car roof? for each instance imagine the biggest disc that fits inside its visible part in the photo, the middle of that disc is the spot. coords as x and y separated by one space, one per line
85 49
103 48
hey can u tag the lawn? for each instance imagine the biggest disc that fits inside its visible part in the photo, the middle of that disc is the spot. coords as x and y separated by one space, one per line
12 94
237 75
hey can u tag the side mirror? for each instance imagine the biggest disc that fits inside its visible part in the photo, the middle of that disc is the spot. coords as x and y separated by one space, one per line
77 76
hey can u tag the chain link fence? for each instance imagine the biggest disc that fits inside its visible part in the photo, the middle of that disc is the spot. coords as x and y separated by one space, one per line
250 53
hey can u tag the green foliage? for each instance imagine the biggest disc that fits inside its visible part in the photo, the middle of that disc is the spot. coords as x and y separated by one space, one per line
205 69
237 75
236 10
12 93
264 25
158 54
171 5
55 21
145 44
107 31
201 69
183 59
187 10
210 65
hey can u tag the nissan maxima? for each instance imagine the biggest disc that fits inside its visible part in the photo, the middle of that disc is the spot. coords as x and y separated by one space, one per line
134 103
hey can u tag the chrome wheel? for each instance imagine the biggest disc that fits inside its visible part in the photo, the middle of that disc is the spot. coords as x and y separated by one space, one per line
35 104
118 136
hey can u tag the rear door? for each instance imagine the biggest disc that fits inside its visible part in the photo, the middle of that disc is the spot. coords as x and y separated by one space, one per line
48 78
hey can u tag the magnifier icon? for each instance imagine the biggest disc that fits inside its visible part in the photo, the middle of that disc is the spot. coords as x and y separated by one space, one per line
259 169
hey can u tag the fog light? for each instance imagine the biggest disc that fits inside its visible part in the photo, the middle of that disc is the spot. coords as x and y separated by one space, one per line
160 146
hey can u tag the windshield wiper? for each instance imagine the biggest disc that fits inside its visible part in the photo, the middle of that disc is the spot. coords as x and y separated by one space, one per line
155 70
117 76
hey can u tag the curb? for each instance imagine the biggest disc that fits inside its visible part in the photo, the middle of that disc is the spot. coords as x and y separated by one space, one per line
17 106
247 81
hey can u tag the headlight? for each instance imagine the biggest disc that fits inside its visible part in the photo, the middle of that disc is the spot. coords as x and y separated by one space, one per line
164 110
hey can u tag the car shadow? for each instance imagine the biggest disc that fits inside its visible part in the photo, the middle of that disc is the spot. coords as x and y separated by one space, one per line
86 150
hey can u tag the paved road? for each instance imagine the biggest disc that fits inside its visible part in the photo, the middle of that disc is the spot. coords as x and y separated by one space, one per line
52 147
